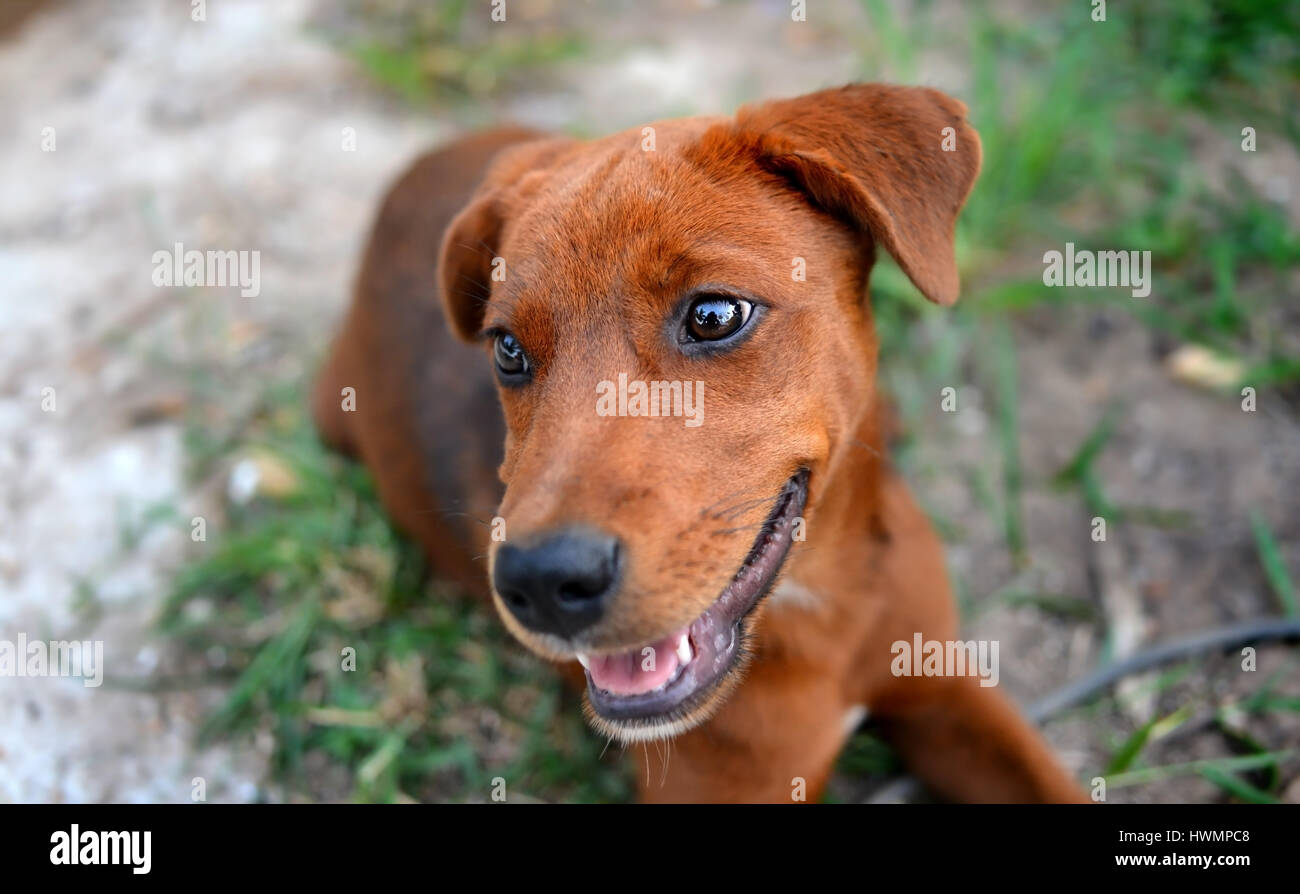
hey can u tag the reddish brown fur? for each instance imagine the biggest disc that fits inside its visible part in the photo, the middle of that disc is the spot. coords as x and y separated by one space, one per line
600 240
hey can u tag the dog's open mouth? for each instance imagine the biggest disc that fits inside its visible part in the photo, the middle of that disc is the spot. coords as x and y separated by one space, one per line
663 682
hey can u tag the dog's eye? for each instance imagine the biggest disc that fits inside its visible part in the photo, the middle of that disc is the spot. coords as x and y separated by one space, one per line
715 317
512 362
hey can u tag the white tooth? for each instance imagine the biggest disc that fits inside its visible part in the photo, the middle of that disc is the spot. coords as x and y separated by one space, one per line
583 660
684 654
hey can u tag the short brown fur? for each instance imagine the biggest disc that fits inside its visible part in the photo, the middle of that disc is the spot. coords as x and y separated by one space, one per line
600 239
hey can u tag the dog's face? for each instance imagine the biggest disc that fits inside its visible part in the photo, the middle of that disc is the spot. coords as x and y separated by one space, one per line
677 321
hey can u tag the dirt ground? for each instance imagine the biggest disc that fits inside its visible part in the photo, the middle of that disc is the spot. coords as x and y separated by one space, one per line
227 132
1177 449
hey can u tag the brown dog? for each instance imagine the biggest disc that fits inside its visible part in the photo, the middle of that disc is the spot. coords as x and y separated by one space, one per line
676 327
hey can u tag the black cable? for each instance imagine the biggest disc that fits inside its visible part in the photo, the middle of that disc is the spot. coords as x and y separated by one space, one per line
1220 639
1260 630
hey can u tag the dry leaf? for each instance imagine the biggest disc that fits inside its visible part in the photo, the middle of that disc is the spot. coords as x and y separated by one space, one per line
1198 365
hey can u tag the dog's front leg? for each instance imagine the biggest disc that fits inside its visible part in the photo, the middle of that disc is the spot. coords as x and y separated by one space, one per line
969 743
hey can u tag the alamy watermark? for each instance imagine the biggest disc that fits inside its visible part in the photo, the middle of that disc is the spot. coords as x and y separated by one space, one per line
56 658
638 398
179 267
1127 269
946 658
76 847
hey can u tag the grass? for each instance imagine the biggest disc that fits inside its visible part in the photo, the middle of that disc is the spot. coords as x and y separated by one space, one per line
450 52
1229 720
1274 566
1085 129
1215 769
333 639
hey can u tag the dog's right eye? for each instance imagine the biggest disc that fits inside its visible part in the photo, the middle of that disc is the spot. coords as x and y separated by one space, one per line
511 361
716 317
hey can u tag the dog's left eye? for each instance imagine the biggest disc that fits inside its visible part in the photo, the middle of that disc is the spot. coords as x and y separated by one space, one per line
715 317
511 361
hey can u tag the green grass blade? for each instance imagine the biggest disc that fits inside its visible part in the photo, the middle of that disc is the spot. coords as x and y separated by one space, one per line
1274 567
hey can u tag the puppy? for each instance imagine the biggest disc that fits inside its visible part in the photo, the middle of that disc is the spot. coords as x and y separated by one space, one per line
660 343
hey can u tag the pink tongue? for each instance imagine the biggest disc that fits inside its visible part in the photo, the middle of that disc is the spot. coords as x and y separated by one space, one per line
638 671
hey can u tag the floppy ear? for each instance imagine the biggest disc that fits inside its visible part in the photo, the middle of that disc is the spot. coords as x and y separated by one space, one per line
473 237
884 159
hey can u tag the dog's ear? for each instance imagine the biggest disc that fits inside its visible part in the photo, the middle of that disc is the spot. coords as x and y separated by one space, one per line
473 238
895 162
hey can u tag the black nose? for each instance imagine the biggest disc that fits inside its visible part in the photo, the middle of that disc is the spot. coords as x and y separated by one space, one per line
558 583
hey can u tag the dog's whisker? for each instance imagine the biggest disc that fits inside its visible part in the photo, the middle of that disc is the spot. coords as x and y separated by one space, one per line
744 498
867 447
765 505
736 508
474 282
475 248
740 493
481 299
480 292
722 532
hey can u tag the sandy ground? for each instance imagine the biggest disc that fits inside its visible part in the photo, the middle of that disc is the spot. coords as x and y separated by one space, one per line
224 133
218 134
227 134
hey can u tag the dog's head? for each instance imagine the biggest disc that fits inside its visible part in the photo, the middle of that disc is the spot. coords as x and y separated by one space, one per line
678 323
